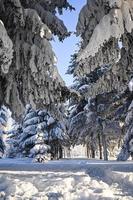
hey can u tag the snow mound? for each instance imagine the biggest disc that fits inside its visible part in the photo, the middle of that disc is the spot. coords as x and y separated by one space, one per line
96 182
64 186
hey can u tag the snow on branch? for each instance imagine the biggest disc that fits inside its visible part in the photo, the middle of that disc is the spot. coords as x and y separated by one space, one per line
6 49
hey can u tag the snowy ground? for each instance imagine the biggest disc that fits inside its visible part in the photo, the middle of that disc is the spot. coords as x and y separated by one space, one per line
77 179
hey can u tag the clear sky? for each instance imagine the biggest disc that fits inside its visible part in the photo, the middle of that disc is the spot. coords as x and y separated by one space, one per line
67 48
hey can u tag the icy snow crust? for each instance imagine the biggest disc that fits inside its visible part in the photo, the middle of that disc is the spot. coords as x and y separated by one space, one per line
77 179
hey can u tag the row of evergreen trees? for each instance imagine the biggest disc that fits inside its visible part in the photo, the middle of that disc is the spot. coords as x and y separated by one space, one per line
38 135
102 69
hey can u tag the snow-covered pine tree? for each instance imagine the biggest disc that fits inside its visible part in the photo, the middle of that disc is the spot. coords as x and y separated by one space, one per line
33 76
127 146
41 135
40 151
32 140
6 55
84 126
57 137
28 72
13 141
3 125
101 69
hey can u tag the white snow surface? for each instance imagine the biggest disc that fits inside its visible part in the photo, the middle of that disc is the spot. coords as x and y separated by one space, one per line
68 179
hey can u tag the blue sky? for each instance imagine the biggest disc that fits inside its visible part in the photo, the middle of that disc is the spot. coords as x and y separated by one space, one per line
67 48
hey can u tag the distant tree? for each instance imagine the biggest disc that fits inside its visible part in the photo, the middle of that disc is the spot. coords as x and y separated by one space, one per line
57 137
13 141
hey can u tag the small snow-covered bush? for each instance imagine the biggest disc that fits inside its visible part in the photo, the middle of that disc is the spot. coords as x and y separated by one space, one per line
42 158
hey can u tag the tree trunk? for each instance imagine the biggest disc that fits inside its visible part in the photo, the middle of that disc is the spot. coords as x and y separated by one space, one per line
92 152
100 146
55 150
105 153
88 151
60 152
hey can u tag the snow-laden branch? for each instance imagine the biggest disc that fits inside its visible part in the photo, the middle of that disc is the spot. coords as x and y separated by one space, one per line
6 50
111 25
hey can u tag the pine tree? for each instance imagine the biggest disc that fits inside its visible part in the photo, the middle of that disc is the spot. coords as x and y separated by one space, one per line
6 50
27 30
3 125
101 68
13 141
38 136
85 126
40 150
31 138
57 137
28 72
127 146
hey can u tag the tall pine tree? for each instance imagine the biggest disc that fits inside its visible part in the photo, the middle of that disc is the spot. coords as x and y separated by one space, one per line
101 67
3 125
27 28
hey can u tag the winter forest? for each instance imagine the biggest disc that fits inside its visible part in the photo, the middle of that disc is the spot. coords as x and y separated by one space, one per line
48 117
41 118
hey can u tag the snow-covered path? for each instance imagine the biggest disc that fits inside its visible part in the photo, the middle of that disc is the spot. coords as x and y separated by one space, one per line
64 165
77 179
